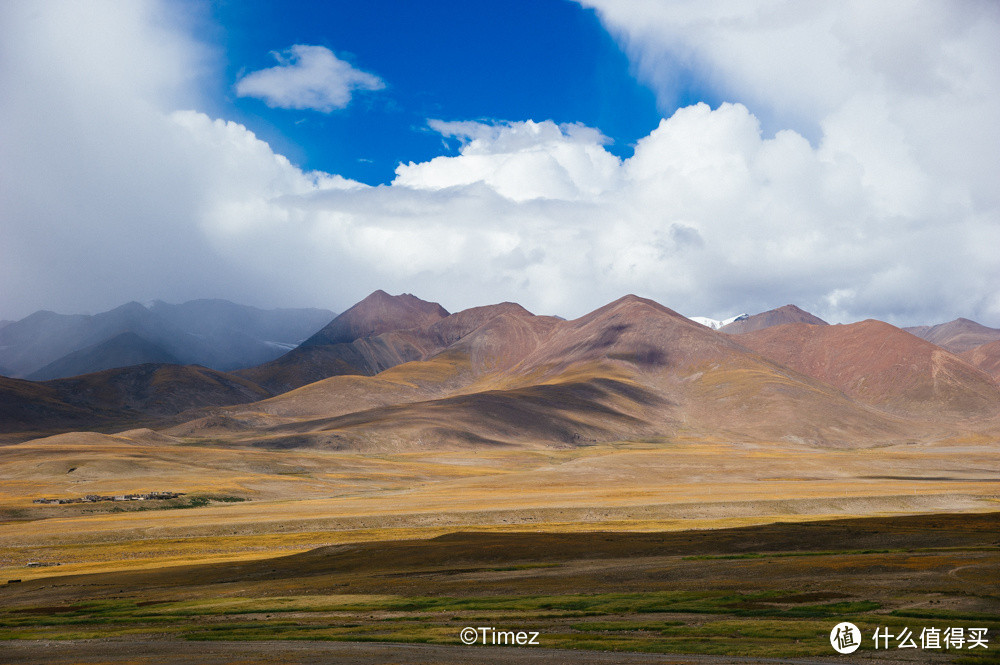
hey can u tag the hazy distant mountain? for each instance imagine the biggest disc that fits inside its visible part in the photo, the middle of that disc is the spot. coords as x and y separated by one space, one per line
956 336
773 317
214 333
119 351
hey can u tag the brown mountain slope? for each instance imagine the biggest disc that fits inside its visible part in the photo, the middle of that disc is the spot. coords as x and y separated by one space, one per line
377 314
711 383
369 337
773 317
458 349
551 414
632 368
118 396
495 338
158 389
986 357
636 331
508 325
31 406
882 365
956 336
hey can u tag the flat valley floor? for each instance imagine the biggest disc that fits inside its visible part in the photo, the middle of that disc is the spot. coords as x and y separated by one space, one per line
705 550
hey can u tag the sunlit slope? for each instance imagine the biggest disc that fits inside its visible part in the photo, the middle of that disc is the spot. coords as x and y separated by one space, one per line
881 365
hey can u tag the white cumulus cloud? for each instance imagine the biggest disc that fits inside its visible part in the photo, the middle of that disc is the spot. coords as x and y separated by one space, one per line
903 92
307 77
519 160
117 187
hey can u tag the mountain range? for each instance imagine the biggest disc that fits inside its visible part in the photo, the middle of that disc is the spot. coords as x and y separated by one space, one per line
957 336
397 373
213 333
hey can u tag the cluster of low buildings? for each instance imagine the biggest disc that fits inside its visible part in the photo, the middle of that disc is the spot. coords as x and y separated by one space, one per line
93 498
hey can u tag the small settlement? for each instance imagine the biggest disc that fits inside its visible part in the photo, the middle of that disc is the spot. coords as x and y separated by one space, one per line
93 498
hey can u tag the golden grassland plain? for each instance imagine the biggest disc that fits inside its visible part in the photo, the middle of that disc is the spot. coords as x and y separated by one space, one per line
558 543
299 499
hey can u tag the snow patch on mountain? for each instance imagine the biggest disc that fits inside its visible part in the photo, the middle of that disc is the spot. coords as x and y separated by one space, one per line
715 324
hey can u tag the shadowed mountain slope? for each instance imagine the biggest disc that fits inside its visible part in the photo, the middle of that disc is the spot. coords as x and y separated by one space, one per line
549 414
119 351
956 336
770 318
29 406
882 365
136 393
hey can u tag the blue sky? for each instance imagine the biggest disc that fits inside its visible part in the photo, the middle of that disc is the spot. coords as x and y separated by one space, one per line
719 157
449 60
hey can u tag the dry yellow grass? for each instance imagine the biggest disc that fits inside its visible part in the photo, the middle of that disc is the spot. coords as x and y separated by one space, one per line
300 499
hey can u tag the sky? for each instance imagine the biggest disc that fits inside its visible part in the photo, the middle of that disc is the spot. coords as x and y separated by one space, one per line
718 157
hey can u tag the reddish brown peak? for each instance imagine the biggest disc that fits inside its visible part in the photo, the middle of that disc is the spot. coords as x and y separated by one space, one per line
795 310
871 323
630 304
782 315
968 323
381 299
377 314
456 326
957 336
